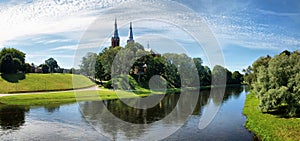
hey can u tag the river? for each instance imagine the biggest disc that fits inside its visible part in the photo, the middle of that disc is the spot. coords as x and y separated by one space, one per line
92 121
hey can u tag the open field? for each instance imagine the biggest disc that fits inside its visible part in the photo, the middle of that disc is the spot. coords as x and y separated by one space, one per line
13 83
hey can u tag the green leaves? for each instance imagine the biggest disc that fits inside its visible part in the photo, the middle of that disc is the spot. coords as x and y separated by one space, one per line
11 60
52 64
277 82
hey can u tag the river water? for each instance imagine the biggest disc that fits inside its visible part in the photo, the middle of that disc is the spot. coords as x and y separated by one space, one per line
91 121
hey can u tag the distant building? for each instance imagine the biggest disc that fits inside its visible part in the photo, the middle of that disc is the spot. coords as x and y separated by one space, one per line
151 51
38 70
130 38
115 40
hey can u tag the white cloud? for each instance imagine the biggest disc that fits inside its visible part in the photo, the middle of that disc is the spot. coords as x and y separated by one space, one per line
246 33
71 47
72 19
76 47
48 17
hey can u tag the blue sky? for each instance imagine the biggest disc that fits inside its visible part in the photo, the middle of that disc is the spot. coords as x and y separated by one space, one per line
67 29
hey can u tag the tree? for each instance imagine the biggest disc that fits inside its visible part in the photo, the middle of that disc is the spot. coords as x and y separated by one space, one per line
72 71
7 64
248 75
45 68
88 64
203 71
277 83
99 70
262 61
219 75
28 68
52 64
106 58
14 60
228 77
237 77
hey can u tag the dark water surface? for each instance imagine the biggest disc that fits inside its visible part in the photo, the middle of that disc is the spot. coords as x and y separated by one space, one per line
86 121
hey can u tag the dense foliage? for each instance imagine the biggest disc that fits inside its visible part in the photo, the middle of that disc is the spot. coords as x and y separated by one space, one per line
276 81
52 64
11 60
142 65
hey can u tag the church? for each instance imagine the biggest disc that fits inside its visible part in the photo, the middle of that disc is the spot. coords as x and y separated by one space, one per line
115 39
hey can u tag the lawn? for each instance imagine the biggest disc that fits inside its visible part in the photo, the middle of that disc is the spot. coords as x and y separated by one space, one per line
12 83
267 126
65 97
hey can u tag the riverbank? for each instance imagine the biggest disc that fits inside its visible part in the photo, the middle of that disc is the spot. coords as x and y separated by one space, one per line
267 126
66 97
61 97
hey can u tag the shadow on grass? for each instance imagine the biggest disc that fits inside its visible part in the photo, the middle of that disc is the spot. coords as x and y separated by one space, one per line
13 78
280 112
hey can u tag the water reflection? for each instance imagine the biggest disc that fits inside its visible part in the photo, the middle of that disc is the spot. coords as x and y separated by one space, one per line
12 117
52 108
98 115
172 110
66 122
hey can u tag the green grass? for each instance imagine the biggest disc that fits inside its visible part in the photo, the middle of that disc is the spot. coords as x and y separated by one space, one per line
65 97
267 126
12 83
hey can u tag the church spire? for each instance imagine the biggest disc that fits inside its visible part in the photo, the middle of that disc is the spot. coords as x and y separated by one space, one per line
130 34
116 35
115 40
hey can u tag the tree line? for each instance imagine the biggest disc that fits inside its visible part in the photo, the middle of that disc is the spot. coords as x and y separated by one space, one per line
276 82
142 65
13 61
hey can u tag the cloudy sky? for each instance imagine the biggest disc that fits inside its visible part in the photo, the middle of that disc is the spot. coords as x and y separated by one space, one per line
67 29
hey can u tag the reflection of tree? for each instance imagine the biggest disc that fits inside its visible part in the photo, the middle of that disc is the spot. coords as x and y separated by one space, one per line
52 108
12 117
216 95
202 101
98 116
229 92
99 113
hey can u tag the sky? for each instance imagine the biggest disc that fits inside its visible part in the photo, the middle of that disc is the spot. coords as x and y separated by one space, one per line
238 31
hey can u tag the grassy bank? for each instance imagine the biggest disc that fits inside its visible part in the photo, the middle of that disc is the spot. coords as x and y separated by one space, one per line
65 97
267 126
12 83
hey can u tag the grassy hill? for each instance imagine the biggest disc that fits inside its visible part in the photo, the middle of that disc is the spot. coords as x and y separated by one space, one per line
11 83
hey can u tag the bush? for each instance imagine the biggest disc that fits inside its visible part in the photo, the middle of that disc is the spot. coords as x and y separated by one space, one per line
108 84
277 84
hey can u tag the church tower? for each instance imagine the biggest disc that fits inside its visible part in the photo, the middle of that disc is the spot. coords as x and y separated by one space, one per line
115 40
130 40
